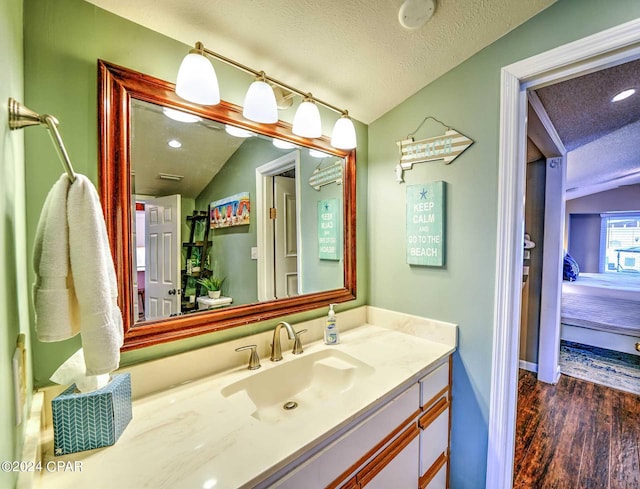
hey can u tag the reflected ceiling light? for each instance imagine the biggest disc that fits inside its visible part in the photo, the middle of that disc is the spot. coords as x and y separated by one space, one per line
197 82
279 143
306 122
623 95
237 131
317 154
260 102
344 133
180 116
174 143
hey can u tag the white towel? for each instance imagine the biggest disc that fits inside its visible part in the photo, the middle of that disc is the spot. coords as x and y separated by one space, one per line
76 289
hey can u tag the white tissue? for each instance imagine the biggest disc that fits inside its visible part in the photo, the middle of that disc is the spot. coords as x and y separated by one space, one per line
73 371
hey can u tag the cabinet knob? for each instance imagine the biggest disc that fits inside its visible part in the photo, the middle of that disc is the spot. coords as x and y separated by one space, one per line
254 359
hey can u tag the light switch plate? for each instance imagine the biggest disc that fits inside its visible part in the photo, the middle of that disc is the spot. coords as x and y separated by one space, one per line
254 252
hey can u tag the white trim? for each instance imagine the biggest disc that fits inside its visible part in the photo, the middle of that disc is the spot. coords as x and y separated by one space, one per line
530 366
538 108
264 236
607 48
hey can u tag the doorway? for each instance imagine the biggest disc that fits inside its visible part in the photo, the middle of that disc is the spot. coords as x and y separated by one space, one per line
605 49
278 214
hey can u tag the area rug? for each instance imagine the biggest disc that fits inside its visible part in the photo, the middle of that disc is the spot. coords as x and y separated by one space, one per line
606 367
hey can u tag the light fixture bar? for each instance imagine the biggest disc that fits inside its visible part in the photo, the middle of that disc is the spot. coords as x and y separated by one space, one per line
200 48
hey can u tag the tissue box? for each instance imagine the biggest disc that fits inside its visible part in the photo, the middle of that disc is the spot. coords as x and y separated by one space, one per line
82 421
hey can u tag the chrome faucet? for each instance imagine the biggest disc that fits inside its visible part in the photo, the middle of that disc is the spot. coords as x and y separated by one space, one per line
276 349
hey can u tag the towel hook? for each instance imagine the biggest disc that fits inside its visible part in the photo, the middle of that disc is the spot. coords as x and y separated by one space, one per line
21 116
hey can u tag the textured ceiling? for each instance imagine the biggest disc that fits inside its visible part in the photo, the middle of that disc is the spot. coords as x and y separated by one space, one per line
351 53
601 136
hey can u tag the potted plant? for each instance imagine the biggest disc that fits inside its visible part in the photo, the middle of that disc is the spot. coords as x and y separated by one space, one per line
213 285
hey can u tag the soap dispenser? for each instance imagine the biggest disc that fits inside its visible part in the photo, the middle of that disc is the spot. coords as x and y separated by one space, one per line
331 335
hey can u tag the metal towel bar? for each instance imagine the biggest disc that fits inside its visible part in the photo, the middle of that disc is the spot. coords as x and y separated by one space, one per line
20 116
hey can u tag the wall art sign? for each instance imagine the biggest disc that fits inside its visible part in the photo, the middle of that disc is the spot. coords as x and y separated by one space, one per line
327 175
446 147
329 229
230 211
425 224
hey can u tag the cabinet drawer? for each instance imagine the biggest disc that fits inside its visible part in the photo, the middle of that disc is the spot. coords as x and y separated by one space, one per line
434 384
347 453
434 434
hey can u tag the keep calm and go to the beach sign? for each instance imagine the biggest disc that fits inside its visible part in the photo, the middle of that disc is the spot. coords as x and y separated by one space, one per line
425 224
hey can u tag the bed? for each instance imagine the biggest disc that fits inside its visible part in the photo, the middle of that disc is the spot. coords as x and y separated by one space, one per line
603 309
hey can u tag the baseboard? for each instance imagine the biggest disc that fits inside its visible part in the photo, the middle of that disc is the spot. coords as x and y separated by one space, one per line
530 366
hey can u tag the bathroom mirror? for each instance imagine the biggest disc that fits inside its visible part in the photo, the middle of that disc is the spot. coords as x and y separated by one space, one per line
177 215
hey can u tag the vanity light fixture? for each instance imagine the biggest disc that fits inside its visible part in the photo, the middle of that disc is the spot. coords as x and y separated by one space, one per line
317 154
197 82
344 134
306 122
174 143
280 144
260 102
178 115
623 95
237 132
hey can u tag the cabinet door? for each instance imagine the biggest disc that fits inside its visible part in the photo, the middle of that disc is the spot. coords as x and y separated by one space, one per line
400 471
434 434
436 477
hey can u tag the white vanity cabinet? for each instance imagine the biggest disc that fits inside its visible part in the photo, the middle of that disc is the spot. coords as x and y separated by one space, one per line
402 445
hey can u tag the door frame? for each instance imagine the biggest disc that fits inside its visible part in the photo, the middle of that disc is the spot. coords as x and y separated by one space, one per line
264 232
596 52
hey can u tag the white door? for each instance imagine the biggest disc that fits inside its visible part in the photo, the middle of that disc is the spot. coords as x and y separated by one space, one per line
286 241
162 264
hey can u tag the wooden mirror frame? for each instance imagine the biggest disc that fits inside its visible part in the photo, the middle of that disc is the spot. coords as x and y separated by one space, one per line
116 87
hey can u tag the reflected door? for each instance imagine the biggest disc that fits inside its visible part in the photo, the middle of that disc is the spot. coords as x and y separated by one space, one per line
162 267
286 241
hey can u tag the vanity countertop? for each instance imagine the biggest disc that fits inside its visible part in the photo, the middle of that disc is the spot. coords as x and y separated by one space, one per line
190 436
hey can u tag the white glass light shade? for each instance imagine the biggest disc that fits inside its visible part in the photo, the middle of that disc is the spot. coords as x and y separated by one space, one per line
197 81
306 122
279 143
344 134
260 103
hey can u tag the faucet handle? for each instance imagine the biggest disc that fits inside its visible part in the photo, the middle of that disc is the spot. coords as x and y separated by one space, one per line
297 344
254 359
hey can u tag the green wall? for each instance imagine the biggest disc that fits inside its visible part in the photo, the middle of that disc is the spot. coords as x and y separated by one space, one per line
468 99
63 40
231 247
14 290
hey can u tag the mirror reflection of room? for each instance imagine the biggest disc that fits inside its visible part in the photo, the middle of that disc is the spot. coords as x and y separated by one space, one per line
224 217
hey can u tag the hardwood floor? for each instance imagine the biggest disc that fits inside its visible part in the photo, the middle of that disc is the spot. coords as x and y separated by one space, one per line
576 435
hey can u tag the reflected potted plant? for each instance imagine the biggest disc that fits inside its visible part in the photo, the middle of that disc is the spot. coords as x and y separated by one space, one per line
213 285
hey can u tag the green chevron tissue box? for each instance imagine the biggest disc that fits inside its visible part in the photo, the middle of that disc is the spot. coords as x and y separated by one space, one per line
83 421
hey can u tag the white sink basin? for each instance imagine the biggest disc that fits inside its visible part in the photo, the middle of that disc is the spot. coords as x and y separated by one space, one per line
301 384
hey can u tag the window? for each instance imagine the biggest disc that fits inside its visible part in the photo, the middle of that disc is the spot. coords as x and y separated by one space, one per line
620 242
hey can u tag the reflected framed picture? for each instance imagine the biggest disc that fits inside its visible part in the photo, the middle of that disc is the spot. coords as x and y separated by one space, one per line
234 210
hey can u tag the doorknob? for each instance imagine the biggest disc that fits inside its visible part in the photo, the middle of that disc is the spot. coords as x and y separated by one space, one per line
172 292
